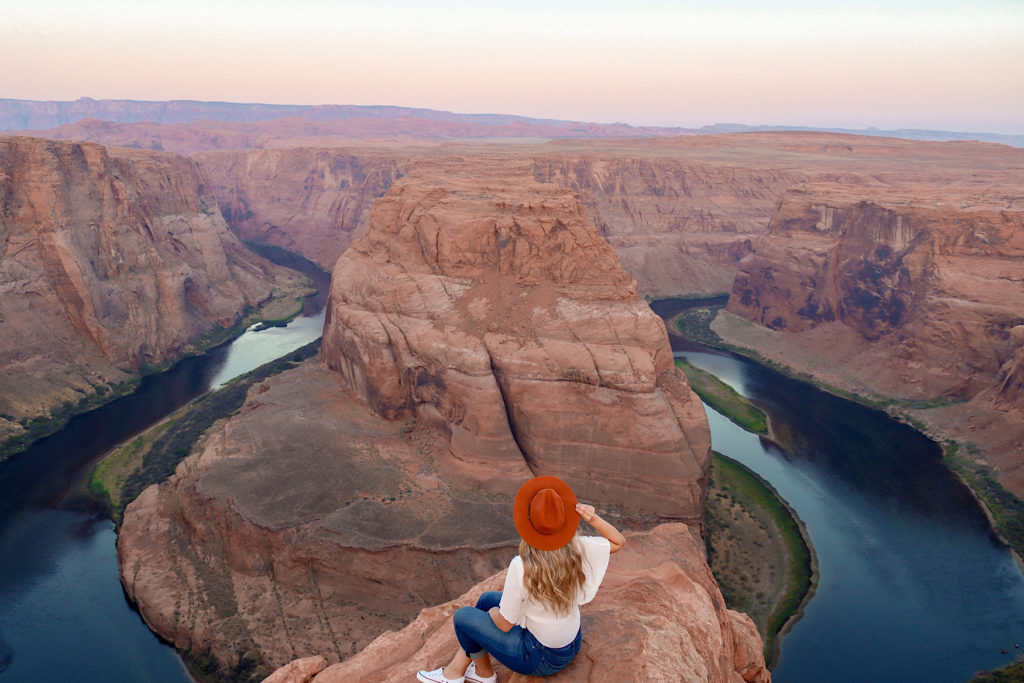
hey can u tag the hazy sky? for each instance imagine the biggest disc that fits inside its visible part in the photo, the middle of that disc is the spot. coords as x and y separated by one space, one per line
935 64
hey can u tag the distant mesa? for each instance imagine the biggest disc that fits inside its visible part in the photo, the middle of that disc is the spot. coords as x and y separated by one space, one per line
20 115
40 116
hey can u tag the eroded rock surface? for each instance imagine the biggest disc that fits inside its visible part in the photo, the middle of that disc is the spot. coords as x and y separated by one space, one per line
479 333
913 291
109 260
680 212
658 616
307 200
679 224
488 305
304 525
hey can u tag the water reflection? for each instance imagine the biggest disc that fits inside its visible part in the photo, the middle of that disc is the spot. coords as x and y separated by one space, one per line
913 585
63 613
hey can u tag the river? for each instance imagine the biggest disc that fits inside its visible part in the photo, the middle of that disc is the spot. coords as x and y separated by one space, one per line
63 614
913 584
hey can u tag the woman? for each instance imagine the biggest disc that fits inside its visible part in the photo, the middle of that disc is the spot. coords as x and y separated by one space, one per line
532 626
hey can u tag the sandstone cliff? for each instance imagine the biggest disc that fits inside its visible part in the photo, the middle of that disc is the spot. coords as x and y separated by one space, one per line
304 524
679 226
935 288
480 332
109 260
679 212
488 305
658 616
311 201
911 291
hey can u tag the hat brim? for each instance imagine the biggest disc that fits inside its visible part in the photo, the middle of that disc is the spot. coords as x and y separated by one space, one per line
521 513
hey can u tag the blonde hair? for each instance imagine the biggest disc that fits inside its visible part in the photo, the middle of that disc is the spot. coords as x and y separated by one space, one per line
553 577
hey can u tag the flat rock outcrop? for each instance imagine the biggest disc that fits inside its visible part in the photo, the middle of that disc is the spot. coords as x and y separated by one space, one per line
479 333
109 260
305 524
658 616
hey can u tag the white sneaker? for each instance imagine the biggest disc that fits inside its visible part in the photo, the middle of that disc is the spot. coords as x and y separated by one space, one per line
473 677
437 676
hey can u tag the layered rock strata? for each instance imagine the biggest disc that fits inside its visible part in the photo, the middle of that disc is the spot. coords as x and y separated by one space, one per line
657 617
488 305
679 226
311 201
680 212
109 260
479 333
305 524
910 292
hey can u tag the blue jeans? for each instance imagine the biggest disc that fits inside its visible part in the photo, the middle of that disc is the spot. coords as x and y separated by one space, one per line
517 649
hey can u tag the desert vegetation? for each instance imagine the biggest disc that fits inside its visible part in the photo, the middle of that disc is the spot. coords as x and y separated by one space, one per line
756 549
152 456
725 399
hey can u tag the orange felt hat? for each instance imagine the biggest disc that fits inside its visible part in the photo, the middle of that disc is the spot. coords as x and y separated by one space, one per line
544 512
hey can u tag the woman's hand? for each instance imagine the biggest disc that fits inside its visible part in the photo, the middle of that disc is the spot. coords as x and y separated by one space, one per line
587 512
501 622
590 516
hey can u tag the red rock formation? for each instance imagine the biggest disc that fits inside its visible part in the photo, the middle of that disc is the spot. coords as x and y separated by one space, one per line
658 616
108 261
679 212
303 525
299 671
488 305
909 291
478 333
1008 391
934 288
311 201
679 224
680 227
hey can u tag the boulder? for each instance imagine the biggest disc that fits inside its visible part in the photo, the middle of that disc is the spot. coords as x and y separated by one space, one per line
658 616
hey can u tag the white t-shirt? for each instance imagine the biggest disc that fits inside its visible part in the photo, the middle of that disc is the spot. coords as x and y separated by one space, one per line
547 627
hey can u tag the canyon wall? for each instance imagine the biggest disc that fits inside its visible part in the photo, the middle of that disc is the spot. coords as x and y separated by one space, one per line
311 201
679 212
480 332
679 225
913 292
488 304
109 261
936 288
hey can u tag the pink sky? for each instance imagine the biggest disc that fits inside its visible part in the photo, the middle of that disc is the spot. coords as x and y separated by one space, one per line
940 65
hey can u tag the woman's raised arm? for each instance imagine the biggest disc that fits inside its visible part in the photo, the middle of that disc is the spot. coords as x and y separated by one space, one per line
590 516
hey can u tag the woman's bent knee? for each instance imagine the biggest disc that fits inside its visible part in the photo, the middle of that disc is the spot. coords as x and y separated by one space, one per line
463 615
488 599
